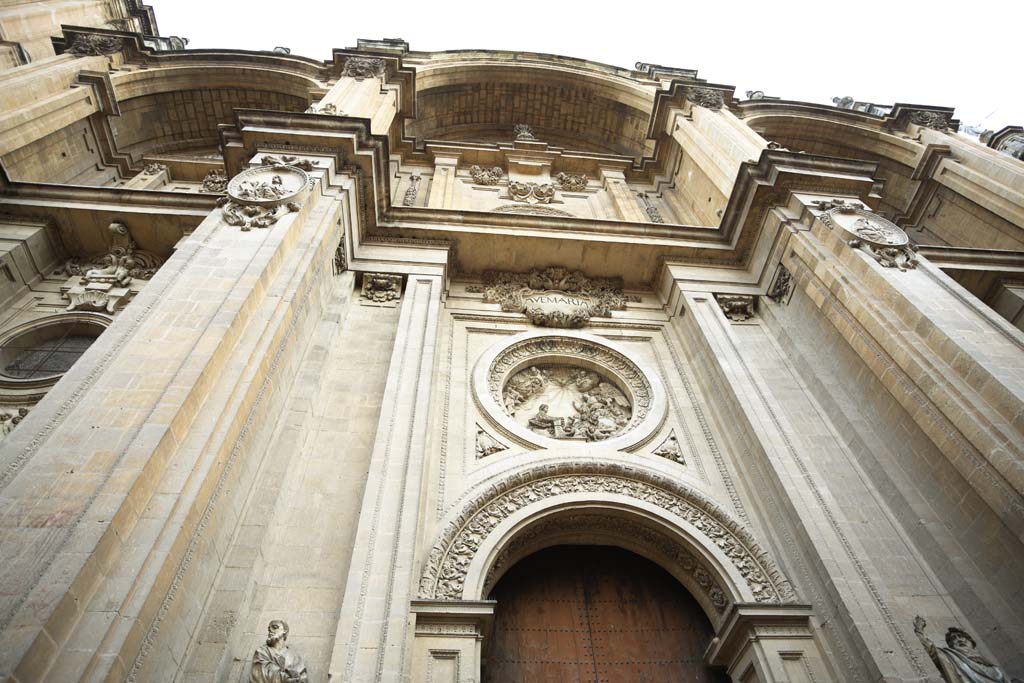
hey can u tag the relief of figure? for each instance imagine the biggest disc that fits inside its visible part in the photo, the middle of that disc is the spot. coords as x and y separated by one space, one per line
11 418
544 422
117 271
960 662
254 190
275 662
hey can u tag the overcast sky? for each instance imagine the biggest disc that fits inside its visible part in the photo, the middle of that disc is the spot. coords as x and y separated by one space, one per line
964 55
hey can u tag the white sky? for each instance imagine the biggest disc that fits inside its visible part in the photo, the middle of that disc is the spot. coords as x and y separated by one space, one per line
965 55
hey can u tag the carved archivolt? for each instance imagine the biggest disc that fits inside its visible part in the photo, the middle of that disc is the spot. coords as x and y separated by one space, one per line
654 544
607 397
448 563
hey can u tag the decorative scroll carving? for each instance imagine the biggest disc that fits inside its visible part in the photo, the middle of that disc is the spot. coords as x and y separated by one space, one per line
324 110
11 418
306 165
215 181
363 67
936 120
486 176
94 45
518 390
532 210
960 661
664 547
274 661
103 281
563 401
487 444
737 307
670 449
555 297
531 192
885 241
1013 145
249 216
382 288
708 98
524 131
650 208
782 287
153 169
447 564
571 182
410 194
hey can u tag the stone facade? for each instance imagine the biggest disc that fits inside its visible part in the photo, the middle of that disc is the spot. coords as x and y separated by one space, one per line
332 345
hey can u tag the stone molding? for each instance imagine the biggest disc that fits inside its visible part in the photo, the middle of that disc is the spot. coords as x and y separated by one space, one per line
529 493
640 384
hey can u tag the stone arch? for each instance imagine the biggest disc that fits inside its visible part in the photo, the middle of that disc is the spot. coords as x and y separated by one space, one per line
668 522
475 97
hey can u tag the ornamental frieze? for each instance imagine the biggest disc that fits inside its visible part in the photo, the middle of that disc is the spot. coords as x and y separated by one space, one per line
447 565
555 297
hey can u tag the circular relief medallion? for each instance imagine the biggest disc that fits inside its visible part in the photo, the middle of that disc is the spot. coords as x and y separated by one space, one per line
267 185
879 231
571 388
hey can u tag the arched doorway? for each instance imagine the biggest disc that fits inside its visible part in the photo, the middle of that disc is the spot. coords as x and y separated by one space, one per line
595 614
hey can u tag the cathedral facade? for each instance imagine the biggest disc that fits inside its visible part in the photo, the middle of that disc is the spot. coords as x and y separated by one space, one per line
495 366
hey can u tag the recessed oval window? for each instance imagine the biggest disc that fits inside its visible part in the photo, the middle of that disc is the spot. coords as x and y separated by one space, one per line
47 351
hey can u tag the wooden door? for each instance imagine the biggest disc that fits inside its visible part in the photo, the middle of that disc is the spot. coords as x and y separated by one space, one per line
595 614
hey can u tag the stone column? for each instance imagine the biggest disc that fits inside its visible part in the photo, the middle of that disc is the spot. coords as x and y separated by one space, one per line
442 186
624 199
372 641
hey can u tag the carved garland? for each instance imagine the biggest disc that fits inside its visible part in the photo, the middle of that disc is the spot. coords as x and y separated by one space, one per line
510 290
661 544
444 574
708 98
363 67
95 45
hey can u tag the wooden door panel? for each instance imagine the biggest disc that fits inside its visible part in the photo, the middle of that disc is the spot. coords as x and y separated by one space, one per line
577 614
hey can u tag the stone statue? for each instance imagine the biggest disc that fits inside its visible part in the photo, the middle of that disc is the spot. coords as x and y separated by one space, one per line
960 662
275 662
544 422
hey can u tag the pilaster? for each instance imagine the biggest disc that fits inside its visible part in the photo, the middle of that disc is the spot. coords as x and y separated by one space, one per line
442 185
623 199
372 641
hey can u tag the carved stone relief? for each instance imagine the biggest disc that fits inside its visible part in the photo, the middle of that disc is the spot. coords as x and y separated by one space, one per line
524 131
555 297
531 193
93 45
274 661
448 563
571 182
650 209
154 169
670 449
532 210
936 120
11 418
737 307
960 661
410 194
708 98
782 286
885 241
324 110
564 401
259 197
382 289
104 282
487 444
306 165
363 67
215 181
486 176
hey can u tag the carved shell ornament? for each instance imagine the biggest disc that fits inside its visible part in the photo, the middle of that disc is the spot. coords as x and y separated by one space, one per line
568 390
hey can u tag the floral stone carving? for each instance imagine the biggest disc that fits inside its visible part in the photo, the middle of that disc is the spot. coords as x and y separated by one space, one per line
524 131
555 297
363 67
486 176
154 169
737 307
571 182
936 120
532 193
94 45
782 287
444 576
382 288
708 98
410 193
259 197
670 449
215 181
567 402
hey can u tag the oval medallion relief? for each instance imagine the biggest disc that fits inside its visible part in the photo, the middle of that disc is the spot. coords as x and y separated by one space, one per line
267 186
569 389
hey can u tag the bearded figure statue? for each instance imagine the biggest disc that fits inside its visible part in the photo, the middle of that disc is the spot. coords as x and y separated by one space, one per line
960 661
275 662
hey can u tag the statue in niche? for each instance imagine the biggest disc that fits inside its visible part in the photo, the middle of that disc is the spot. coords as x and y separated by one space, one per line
566 402
960 661
275 662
